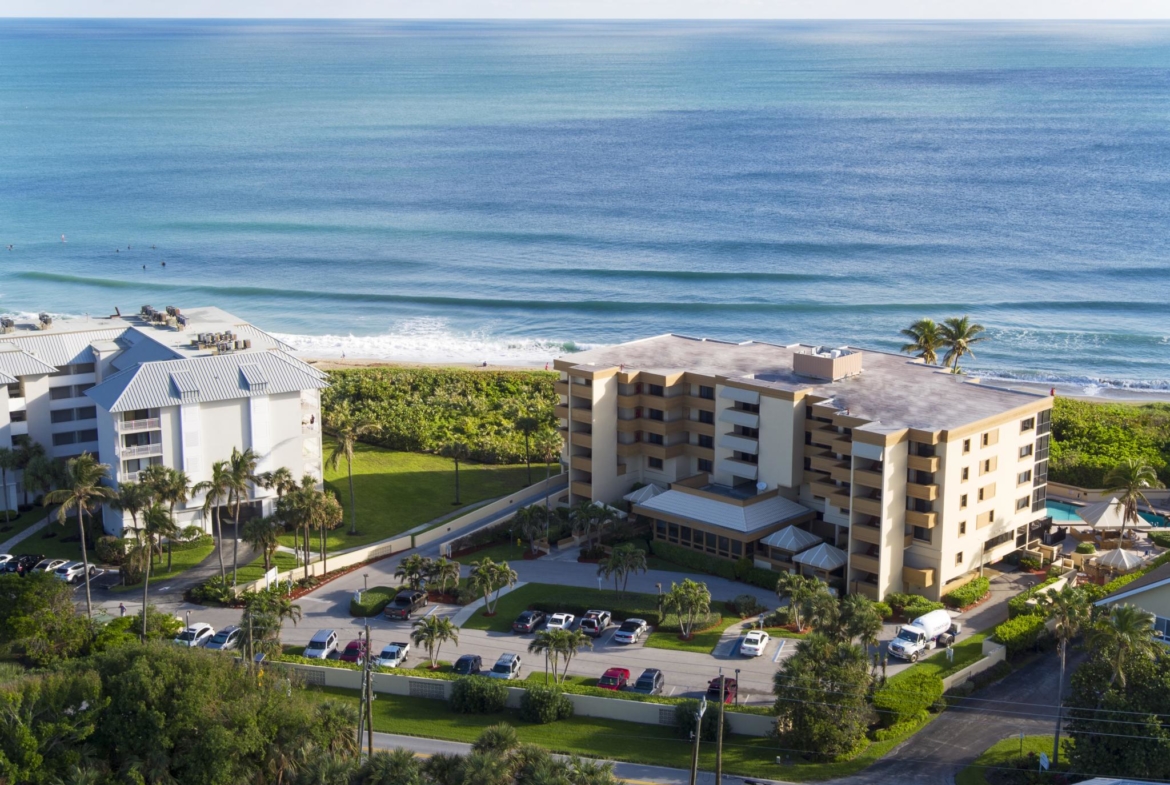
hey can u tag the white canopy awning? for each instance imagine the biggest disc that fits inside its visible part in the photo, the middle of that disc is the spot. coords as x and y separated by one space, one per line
645 493
1109 515
1120 559
792 539
823 557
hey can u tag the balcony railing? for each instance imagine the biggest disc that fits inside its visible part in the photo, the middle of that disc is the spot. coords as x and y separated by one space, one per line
141 450
130 426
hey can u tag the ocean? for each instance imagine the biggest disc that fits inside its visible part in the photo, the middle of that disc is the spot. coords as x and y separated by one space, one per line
509 192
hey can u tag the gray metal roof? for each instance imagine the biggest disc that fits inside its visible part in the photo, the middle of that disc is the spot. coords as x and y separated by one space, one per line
792 539
145 350
823 557
254 376
216 378
728 515
63 348
14 362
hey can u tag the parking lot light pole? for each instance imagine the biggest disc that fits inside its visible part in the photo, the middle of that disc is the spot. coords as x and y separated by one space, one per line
719 727
737 686
188 617
366 580
698 734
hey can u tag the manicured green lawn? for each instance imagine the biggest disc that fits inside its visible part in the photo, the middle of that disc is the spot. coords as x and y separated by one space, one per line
702 643
18 523
505 551
48 541
397 491
185 557
254 570
966 653
573 598
1005 753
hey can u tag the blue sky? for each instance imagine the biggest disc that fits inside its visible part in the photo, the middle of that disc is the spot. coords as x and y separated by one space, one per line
598 9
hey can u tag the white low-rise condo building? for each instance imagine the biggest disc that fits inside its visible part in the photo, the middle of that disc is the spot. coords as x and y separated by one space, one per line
181 388
870 470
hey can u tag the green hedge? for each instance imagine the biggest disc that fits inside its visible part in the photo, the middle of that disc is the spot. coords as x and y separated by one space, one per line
543 705
1089 439
373 601
1088 547
968 594
911 605
1161 539
298 660
1018 605
479 695
1021 634
741 570
906 697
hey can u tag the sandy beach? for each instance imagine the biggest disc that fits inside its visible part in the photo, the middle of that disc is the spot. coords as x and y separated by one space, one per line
337 364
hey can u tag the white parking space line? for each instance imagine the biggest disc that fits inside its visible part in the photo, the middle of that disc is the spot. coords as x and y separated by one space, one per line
779 651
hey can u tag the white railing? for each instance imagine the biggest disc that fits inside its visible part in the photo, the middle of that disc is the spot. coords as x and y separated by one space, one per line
129 426
140 450
129 477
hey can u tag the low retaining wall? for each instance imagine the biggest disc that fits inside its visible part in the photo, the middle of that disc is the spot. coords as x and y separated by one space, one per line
643 713
993 653
1076 493
549 487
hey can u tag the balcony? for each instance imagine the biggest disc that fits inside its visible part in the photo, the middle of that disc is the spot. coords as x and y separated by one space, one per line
132 426
825 489
705 453
860 561
582 415
140 451
841 474
742 468
731 441
915 577
699 404
923 463
926 492
842 446
19 428
700 428
580 488
737 417
129 476
827 463
927 520
561 411
561 387
864 588
582 439
815 451
868 506
583 462
814 476
869 479
868 534
662 427
840 499
907 541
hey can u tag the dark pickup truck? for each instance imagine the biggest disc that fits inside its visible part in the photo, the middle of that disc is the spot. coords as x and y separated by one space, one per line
405 604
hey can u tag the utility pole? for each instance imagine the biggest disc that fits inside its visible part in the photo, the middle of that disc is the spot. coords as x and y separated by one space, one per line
719 732
361 706
369 693
698 734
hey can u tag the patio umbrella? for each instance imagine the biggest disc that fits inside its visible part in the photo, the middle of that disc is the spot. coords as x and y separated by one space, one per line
1120 560
1109 516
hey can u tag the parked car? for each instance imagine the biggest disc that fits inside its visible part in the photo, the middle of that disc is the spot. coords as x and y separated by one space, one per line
405 604
594 623
468 665
506 667
226 639
196 636
560 621
71 571
323 643
355 651
754 643
614 679
393 655
631 631
528 621
651 682
49 565
5 559
23 563
730 689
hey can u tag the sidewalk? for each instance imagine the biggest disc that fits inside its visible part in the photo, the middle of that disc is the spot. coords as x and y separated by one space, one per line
7 545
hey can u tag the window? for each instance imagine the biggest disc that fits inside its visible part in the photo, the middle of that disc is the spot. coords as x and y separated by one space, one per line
752 408
1039 498
86 413
1024 477
60 393
751 433
1042 445
746 457
90 435
707 441
922 534
706 465
962 528
959 559
963 502
1023 503
1161 628
655 463
654 438
987 492
987 466
710 538
989 438
724 546
966 446
965 474
707 392
61 439
61 415
654 414
1027 425
80 389
707 417
655 389
1025 451
18 416
672 532
984 519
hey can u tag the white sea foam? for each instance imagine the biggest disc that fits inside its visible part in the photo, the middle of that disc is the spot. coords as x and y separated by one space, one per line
432 340
1088 385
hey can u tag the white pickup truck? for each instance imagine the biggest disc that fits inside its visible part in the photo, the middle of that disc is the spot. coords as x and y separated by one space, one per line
934 630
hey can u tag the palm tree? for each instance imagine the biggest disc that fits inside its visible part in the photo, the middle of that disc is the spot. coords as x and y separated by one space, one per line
488 577
261 534
1126 632
798 590
156 522
217 488
431 632
499 740
281 481
527 425
443 572
347 430
83 489
7 464
171 486
558 645
1069 611
133 498
529 523
860 621
326 514
548 446
41 473
687 600
242 472
1130 479
584 517
412 569
396 767
457 450
925 340
624 560
29 452
958 334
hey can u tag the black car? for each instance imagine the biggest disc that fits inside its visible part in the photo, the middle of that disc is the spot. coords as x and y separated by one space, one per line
528 621
405 604
468 665
22 565
650 682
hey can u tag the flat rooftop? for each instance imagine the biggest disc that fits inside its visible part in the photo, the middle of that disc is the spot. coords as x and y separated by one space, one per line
892 390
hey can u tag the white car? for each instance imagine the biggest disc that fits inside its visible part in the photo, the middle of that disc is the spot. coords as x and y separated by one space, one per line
393 655
560 621
323 644
73 570
630 631
49 565
754 644
196 636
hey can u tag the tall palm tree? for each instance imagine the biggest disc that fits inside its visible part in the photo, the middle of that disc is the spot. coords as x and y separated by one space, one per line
548 444
217 489
528 425
860 621
687 600
262 535
529 523
156 522
28 452
1125 633
412 570
431 632
7 464
1130 479
1069 611
457 450
347 429
443 572
958 334
172 487
281 480
325 513
622 562
133 498
41 473
487 577
83 488
559 645
242 472
925 340
798 590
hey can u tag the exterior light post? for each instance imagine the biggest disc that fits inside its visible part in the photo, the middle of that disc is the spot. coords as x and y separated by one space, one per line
366 580
188 617
737 686
698 734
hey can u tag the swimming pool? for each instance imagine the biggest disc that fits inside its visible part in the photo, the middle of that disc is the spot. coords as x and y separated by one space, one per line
1063 511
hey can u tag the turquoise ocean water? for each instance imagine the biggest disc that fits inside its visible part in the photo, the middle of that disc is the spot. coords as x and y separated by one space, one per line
492 191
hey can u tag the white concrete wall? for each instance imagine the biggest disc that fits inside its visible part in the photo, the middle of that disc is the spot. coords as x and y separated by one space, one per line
779 448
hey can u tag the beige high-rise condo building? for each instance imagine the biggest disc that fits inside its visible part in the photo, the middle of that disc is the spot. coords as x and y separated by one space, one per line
870 470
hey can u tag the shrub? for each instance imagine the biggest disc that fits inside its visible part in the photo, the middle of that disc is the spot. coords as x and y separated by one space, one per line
373 601
741 570
478 695
921 607
1029 563
1088 547
596 552
1021 634
213 591
1088 439
190 533
899 730
544 705
684 721
110 550
1018 605
780 617
906 697
884 610
968 594
746 605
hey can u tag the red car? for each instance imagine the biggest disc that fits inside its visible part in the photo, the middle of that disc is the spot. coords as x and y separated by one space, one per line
355 651
730 689
614 679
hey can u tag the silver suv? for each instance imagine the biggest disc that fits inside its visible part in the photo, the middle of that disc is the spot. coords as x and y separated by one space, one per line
506 667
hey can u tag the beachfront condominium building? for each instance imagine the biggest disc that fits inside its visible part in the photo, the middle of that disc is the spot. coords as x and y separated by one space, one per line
181 388
870 470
